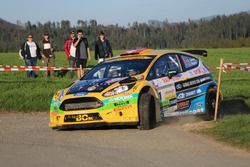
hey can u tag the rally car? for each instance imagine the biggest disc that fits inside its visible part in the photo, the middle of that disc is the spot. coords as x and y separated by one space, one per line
139 87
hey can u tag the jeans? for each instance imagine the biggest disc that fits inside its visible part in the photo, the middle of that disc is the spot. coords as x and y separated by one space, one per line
31 62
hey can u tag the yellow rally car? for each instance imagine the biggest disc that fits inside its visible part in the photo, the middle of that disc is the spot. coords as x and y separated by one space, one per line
139 87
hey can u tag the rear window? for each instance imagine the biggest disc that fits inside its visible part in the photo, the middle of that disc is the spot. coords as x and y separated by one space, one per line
189 62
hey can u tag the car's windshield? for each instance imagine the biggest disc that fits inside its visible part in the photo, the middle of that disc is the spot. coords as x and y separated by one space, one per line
118 69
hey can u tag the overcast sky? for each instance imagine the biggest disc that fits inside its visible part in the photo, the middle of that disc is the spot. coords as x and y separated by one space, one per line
117 11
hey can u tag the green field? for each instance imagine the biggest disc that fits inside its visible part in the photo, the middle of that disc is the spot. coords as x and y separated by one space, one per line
19 93
234 130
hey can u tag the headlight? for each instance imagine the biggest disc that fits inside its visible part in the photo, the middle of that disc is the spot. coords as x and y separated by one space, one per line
60 95
118 90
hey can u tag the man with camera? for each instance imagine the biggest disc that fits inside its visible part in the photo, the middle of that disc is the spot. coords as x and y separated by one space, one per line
82 49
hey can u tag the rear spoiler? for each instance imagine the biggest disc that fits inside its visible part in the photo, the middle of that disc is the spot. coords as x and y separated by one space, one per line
196 52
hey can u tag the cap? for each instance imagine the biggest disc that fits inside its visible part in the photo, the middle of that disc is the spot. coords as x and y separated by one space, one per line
72 32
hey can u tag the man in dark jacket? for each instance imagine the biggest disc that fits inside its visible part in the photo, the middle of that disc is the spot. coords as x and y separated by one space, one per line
103 48
30 52
82 49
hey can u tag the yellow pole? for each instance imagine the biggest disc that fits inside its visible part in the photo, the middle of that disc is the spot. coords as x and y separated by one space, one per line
218 90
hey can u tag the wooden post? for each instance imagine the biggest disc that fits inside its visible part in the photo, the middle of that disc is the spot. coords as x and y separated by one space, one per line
218 90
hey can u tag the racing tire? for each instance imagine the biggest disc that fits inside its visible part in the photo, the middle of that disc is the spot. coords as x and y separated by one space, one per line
146 112
210 104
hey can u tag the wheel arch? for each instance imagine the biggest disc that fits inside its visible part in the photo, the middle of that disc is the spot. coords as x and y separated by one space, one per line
152 91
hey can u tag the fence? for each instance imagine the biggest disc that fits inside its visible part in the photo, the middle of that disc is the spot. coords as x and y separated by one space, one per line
40 68
227 67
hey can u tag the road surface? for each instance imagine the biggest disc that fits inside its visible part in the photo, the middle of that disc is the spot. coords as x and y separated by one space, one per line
27 141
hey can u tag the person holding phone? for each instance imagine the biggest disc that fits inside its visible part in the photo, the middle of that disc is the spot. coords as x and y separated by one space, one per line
82 49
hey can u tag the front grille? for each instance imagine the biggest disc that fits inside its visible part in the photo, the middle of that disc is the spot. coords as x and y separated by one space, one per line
82 117
83 103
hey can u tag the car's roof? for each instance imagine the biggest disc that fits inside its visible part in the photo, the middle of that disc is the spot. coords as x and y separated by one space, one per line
143 54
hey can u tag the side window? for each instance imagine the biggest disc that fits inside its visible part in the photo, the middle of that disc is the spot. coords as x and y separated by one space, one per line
173 63
163 65
189 62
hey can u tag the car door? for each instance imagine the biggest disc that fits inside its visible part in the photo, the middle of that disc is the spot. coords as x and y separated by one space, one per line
163 75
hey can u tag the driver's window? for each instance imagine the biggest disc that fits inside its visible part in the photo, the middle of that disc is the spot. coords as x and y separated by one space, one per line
163 65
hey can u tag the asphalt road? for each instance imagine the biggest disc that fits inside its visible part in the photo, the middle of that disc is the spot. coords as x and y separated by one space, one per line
27 141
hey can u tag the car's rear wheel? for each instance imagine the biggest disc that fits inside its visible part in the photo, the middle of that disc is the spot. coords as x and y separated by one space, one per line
146 112
210 104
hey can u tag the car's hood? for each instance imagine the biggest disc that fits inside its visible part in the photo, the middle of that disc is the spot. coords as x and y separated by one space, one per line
93 85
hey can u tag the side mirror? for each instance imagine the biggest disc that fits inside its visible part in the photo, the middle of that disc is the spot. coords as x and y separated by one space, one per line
172 73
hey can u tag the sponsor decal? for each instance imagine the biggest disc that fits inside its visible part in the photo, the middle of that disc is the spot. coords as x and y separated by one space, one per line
199 70
181 96
162 82
183 105
122 108
165 103
173 101
54 107
92 88
121 103
178 86
192 92
168 111
81 94
193 82
198 105
121 98
166 93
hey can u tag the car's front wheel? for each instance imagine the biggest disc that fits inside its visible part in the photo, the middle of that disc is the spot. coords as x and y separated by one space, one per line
146 112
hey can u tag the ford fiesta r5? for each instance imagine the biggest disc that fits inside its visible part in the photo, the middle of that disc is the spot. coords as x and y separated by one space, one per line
139 87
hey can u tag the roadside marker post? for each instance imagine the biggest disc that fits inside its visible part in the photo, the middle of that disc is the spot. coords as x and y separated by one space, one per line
218 90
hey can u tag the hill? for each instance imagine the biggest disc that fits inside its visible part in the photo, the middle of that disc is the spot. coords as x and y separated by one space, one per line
7 25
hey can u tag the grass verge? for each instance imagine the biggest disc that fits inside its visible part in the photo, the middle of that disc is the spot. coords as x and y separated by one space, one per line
234 130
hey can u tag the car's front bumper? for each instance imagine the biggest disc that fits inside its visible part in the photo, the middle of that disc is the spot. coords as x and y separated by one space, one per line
117 110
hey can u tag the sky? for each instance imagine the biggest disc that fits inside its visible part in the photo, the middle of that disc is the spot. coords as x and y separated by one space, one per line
119 12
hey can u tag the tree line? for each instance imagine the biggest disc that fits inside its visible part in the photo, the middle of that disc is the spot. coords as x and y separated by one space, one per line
217 32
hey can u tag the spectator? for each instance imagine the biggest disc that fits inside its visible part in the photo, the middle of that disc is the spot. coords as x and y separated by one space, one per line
47 52
30 52
103 48
82 49
70 52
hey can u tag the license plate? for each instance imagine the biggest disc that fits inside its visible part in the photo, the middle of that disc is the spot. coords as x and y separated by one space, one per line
83 117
